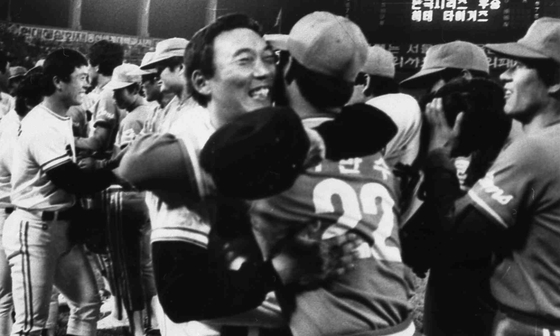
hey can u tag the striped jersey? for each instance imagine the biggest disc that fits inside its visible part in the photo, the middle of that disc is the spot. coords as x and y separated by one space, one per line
45 142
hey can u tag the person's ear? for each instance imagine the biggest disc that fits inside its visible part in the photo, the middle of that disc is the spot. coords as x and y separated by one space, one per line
200 83
467 74
554 90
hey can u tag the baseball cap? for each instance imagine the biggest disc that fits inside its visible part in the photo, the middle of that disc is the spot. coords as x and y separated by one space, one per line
37 68
542 41
17 71
258 154
455 55
167 49
145 60
123 76
277 41
328 44
380 62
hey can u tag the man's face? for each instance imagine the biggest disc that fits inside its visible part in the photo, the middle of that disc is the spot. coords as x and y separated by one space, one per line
525 92
171 80
152 88
74 90
124 98
244 72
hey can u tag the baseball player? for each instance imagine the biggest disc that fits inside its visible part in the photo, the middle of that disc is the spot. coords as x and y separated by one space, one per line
335 197
103 114
514 210
239 81
29 94
45 181
443 63
6 101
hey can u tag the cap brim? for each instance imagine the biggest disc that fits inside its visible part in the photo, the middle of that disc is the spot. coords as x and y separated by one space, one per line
277 41
34 69
152 64
515 50
419 78
16 76
141 72
114 85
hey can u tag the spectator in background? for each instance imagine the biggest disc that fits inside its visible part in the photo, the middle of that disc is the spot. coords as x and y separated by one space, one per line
168 62
382 91
157 97
16 76
7 102
102 113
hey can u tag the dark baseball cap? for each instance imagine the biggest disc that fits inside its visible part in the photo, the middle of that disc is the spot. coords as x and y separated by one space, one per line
257 155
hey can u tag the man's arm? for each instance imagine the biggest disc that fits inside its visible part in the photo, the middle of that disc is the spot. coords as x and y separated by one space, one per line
98 141
230 276
161 164
69 177
466 232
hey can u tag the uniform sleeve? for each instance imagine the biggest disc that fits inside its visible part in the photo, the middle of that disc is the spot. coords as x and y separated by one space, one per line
161 164
105 113
129 129
49 148
514 183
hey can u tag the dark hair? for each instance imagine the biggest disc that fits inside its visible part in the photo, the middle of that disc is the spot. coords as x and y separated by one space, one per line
321 91
107 55
3 62
547 70
380 85
60 63
485 127
199 54
28 93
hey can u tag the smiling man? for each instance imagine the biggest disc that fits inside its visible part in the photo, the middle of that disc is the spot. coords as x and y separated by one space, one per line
515 209
45 182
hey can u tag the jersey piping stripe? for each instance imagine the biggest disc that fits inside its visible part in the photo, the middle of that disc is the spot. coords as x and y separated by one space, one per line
26 275
487 208
55 162
195 167
181 234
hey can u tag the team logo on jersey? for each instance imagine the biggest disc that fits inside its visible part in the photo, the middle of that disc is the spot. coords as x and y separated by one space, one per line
489 187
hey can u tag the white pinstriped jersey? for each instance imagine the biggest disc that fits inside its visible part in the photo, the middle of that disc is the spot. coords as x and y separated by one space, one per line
9 128
169 223
45 142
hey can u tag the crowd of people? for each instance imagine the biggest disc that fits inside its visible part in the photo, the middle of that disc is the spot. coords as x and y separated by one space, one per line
246 184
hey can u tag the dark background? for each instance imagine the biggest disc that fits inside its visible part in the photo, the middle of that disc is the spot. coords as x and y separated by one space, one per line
383 21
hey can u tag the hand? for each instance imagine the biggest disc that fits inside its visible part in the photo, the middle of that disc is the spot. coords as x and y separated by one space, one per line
317 149
441 135
88 164
309 262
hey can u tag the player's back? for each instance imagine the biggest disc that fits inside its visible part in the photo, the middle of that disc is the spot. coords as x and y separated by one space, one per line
326 201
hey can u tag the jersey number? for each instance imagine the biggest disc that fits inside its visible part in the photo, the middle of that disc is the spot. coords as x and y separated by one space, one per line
353 207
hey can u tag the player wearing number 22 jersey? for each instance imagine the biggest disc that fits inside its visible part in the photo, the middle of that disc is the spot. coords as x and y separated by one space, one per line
329 200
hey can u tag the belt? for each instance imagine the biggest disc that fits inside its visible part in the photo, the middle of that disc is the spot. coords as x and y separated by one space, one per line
48 216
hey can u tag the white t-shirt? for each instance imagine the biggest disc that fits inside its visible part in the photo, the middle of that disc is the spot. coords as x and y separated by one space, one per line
405 113
45 142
